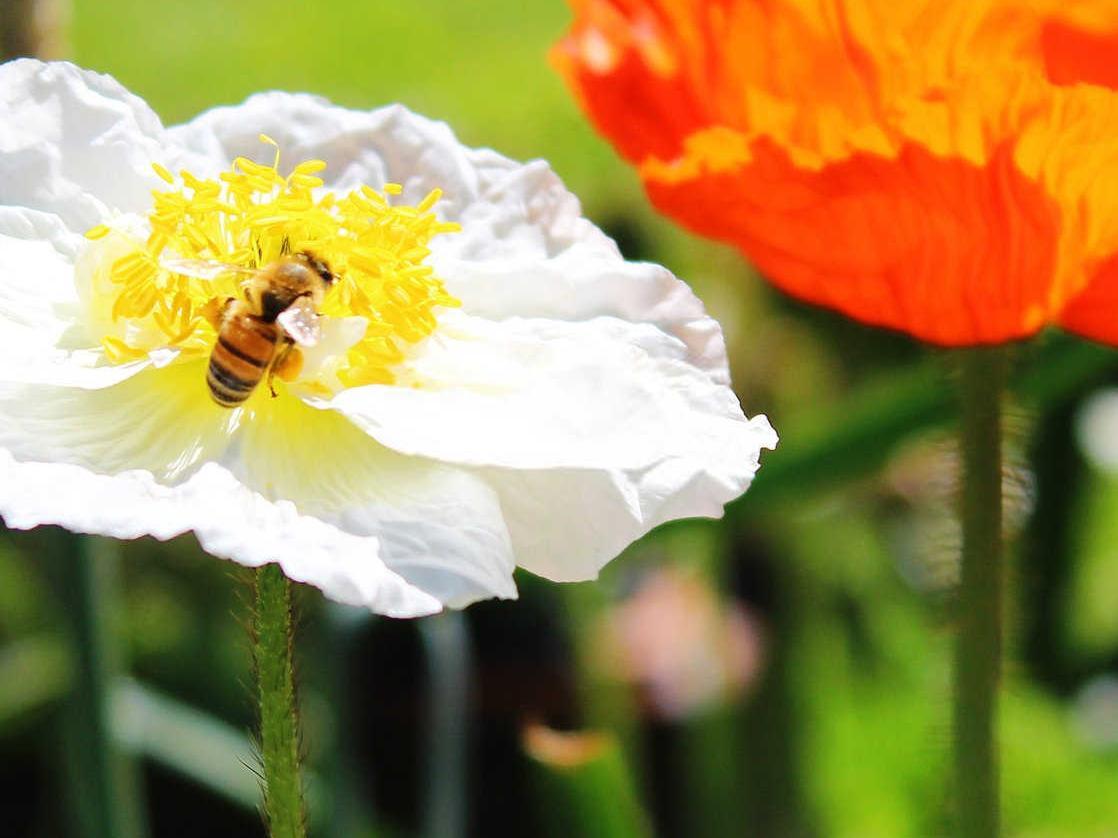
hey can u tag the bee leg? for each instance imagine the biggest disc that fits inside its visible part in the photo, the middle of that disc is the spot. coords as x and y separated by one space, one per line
290 364
287 365
215 310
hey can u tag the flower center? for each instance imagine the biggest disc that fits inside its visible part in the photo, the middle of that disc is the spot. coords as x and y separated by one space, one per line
252 216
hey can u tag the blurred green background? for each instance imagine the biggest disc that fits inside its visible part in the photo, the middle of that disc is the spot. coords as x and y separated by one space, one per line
783 672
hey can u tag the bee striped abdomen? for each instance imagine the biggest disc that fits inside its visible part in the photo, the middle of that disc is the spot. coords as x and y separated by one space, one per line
241 356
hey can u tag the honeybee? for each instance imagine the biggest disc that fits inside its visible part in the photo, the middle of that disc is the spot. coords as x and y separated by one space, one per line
259 336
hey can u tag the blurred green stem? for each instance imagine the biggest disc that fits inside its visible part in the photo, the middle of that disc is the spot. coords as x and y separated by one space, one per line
33 28
101 780
978 645
279 738
350 811
446 642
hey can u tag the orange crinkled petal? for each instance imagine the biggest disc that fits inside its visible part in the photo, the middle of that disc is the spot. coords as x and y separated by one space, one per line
1094 312
944 167
950 252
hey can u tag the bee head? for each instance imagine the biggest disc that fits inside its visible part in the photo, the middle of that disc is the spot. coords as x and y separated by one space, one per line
319 267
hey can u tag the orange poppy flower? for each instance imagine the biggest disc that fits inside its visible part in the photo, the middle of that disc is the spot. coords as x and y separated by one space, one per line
944 167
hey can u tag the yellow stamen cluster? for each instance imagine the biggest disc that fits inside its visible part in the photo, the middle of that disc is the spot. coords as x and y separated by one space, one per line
252 216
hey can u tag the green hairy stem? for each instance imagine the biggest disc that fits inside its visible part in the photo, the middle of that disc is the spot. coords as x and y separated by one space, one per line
279 737
978 645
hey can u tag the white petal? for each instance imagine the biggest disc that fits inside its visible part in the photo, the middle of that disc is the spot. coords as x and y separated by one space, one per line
526 251
160 421
439 527
590 433
229 520
278 482
41 336
566 524
577 285
517 210
37 296
74 143
35 225
550 394
358 147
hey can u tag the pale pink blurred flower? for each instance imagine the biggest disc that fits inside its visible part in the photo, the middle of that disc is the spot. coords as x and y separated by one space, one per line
681 644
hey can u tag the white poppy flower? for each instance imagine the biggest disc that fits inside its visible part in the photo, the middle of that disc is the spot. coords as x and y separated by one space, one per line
495 386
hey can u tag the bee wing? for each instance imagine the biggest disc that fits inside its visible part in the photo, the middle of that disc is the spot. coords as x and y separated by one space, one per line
208 269
300 321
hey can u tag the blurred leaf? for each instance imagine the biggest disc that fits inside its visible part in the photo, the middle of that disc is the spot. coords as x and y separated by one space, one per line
586 786
34 672
192 743
21 593
856 438
186 741
1054 785
1091 626
870 683
1058 366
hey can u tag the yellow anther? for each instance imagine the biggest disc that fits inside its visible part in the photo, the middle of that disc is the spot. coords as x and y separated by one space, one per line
163 173
309 167
305 181
430 201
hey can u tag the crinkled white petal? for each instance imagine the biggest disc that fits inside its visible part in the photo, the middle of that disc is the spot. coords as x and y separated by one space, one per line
531 393
228 519
599 431
42 338
440 526
359 147
37 299
565 524
74 143
34 225
140 457
75 149
577 286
